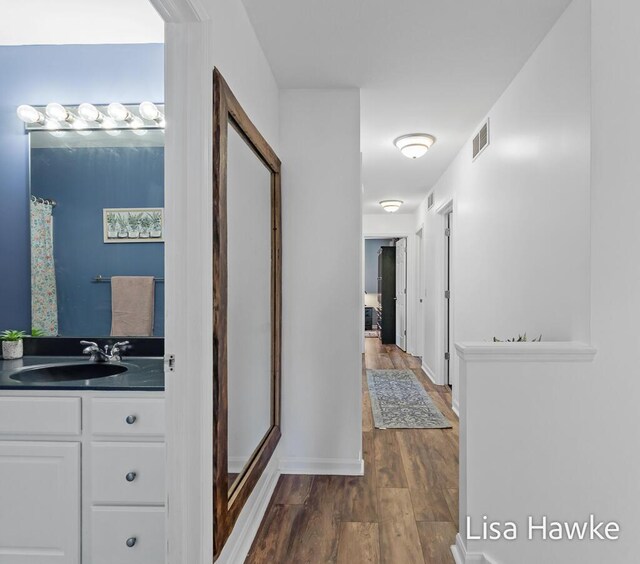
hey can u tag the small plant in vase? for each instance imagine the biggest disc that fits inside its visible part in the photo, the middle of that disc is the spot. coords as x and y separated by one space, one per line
123 227
145 226
134 225
112 225
156 224
12 344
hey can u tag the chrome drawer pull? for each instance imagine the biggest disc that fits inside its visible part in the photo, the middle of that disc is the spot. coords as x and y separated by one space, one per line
131 476
131 419
131 541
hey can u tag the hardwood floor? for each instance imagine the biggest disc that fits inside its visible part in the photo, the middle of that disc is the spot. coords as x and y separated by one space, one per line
404 510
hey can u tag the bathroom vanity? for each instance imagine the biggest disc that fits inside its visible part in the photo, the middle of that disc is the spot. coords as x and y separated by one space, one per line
82 462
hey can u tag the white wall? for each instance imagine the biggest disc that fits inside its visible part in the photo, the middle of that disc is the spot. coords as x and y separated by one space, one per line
388 224
615 274
521 210
219 35
570 442
320 152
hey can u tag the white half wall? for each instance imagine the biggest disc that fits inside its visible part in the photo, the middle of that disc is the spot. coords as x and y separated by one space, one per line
322 315
521 210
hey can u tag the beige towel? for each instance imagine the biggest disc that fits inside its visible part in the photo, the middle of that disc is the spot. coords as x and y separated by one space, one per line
132 302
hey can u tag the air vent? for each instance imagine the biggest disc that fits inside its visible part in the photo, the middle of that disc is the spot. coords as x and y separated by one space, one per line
430 201
481 140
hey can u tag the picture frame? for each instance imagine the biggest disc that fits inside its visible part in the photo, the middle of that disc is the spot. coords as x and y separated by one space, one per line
133 225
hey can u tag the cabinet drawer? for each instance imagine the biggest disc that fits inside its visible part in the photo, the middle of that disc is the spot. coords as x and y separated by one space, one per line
40 416
127 473
111 528
133 417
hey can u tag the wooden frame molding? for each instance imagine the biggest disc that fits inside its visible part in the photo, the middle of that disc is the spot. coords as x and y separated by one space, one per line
228 504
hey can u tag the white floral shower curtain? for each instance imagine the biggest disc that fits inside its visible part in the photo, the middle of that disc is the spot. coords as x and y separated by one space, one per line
44 297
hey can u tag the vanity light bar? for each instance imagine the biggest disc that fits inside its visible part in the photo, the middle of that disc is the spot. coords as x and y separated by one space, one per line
86 117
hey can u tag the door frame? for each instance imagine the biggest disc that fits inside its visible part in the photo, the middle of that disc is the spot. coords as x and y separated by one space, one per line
406 295
419 291
188 268
441 337
411 315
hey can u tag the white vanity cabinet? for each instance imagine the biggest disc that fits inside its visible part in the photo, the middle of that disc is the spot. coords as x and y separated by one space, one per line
82 477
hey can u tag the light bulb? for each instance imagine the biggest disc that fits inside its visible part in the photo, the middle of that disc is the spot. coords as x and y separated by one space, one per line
118 112
29 114
108 123
89 112
136 122
79 124
51 124
57 111
148 110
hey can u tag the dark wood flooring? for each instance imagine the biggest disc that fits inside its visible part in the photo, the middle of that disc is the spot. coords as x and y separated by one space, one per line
404 510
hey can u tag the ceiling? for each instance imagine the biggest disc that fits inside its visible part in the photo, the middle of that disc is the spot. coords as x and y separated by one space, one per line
428 66
56 22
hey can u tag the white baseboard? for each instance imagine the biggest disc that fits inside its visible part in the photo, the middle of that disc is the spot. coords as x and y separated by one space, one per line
456 407
239 542
323 466
429 373
461 556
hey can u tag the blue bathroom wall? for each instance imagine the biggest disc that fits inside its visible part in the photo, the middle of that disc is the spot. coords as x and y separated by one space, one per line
371 248
84 181
68 74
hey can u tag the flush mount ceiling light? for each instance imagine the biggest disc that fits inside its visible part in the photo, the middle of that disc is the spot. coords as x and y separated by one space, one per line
391 205
414 145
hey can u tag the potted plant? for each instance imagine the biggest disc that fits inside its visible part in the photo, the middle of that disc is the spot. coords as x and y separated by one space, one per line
12 344
145 226
112 225
156 224
519 339
123 227
134 225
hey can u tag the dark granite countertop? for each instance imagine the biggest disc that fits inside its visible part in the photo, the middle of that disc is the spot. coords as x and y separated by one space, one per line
142 374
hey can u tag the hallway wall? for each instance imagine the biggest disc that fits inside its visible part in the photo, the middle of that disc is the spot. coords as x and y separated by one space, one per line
322 309
521 210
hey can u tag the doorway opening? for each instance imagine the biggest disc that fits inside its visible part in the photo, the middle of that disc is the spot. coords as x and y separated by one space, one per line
385 290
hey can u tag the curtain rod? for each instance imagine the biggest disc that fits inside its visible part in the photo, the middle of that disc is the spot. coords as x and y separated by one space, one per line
52 203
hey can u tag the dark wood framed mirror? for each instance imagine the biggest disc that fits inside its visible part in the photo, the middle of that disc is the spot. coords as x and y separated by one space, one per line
247 310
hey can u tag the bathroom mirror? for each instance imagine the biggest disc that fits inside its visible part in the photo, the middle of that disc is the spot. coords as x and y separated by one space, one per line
97 199
247 307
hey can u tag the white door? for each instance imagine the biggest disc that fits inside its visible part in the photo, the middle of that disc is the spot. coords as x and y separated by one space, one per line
401 294
40 497
420 293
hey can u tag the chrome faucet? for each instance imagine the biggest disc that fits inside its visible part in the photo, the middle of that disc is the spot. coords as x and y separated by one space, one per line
104 355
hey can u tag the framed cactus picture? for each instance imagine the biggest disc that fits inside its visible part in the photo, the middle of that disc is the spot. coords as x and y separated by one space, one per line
133 225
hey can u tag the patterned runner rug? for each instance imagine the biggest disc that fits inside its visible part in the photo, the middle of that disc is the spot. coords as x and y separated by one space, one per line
399 401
